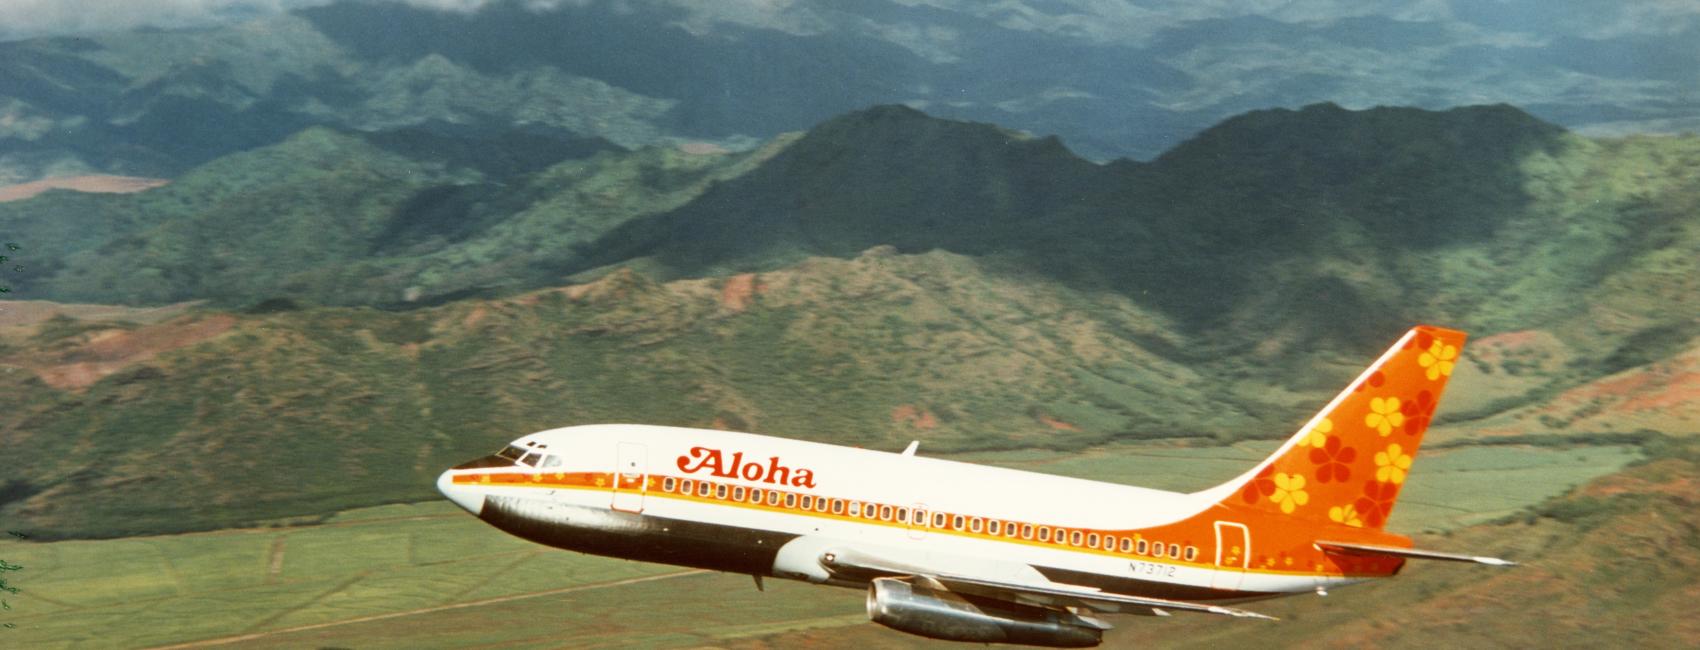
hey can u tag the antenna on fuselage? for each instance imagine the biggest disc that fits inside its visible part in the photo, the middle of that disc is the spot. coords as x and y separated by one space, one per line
910 450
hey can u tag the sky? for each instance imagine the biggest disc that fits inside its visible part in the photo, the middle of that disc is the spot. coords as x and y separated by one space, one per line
1098 18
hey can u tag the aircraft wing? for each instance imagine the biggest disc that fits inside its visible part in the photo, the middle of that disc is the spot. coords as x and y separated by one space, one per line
1043 595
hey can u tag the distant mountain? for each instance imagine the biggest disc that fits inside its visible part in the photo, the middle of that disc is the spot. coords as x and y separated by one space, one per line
1113 80
1482 217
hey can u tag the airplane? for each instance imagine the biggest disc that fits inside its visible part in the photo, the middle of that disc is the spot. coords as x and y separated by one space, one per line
965 552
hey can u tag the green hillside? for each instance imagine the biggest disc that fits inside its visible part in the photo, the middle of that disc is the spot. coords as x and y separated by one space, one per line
1070 304
300 411
338 218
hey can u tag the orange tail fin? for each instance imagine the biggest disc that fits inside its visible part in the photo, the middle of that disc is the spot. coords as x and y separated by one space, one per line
1349 462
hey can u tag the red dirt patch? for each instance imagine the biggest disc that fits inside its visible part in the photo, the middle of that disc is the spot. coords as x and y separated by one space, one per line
94 183
1664 396
915 416
109 351
474 317
26 314
1057 424
739 291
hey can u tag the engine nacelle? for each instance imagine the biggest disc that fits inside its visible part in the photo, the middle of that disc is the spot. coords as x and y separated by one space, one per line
957 617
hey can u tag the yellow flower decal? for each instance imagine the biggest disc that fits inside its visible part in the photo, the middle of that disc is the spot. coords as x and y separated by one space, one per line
1319 435
1289 492
1439 360
1391 465
1346 514
1384 415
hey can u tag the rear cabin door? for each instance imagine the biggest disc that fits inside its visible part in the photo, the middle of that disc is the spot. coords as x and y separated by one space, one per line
631 477
1233 554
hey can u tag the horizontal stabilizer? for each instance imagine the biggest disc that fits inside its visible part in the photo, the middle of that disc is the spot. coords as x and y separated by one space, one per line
1344 548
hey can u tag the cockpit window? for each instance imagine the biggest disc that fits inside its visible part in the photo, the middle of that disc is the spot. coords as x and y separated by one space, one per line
530 459
511 453
551 461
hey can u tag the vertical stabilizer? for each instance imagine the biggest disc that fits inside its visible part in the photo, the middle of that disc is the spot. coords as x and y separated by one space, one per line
1349 462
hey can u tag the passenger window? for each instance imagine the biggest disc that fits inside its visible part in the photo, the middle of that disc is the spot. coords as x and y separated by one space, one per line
1175 551
808 502
855 508
956 522
974 525
530 459
1109 543
667 484
920 517
738 493
790 500
704 489
755 496
1074 538
1092 540
838 506
1157 549
687 486
939 519
903 515
720 492
772 497
1044 534
1141 547
885 513
1027 531
551 461
1127 544
994 527
1191 552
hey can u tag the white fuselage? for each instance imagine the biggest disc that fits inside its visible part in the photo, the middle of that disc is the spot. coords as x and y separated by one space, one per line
620 490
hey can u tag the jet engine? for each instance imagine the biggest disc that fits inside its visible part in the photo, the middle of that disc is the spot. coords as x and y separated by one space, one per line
959 617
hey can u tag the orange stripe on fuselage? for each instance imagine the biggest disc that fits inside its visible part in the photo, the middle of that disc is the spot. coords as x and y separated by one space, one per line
1198 531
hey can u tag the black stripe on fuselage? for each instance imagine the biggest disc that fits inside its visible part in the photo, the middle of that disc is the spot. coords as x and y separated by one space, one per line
602 531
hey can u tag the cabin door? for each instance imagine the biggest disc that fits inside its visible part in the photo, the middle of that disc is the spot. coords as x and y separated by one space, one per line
631 477
1233 554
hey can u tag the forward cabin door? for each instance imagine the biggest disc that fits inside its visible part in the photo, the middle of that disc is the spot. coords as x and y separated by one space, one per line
631 477
1233 554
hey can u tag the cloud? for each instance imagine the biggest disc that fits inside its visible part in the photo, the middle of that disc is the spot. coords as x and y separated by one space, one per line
21 19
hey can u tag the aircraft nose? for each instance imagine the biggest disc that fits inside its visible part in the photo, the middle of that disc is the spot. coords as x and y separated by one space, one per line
467 497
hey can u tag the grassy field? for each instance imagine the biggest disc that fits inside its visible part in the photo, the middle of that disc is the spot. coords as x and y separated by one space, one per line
427 575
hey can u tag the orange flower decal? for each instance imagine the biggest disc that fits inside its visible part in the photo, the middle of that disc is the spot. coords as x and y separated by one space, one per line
1392 464
1347 515
1438 359
1384 415
1417 412
1319 435
1376 503
1333 459
1260 486
1289 492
